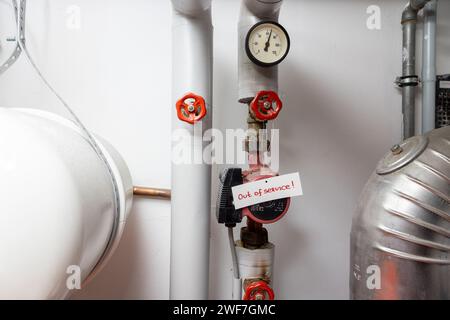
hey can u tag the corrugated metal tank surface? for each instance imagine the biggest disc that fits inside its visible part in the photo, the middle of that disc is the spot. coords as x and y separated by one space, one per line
400 239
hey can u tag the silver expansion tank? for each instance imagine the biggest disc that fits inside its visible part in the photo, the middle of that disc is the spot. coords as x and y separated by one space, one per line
400 239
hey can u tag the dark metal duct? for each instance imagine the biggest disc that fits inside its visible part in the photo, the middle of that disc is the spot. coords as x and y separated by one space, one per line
401 230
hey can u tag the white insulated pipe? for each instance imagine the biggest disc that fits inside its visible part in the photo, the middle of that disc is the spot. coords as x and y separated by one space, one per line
253 78
191 8
191 180
255 264
429 66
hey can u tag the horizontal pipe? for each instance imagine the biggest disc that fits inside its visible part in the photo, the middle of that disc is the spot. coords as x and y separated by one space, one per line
152 192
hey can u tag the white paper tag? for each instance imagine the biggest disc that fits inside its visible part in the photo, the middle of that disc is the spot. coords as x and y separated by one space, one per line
445 84
279 187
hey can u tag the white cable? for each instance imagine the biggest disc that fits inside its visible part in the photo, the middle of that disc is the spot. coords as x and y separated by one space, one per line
233 253
17 50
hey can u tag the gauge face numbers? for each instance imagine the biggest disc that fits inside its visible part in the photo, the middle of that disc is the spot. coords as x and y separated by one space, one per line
267 44
270 210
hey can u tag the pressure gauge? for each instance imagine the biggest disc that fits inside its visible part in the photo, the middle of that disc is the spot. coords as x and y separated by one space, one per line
267 43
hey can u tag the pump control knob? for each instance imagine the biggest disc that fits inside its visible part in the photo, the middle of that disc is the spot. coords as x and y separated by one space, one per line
266 105
191 108
259 290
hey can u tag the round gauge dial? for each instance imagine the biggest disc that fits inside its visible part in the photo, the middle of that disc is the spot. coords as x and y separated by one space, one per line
270 211
267 43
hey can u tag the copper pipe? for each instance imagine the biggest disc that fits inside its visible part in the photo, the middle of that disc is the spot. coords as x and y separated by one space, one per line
152 192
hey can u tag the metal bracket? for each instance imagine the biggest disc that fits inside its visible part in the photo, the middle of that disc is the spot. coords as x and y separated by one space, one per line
407 81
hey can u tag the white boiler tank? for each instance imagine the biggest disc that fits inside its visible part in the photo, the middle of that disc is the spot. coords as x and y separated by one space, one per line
57 207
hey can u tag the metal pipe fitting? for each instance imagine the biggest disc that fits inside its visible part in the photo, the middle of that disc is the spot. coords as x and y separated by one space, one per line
418 4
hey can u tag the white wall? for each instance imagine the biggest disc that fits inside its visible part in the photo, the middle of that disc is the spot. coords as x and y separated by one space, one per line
341 114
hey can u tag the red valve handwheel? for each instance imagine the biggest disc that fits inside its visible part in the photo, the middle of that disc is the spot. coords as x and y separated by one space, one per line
191 108
266 105
259 288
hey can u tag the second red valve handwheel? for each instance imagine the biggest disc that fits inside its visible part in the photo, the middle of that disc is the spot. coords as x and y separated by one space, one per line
266 105
259 290
191 108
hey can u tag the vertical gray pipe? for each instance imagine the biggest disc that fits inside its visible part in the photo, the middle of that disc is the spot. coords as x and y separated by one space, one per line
409 23
409 79
429 67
